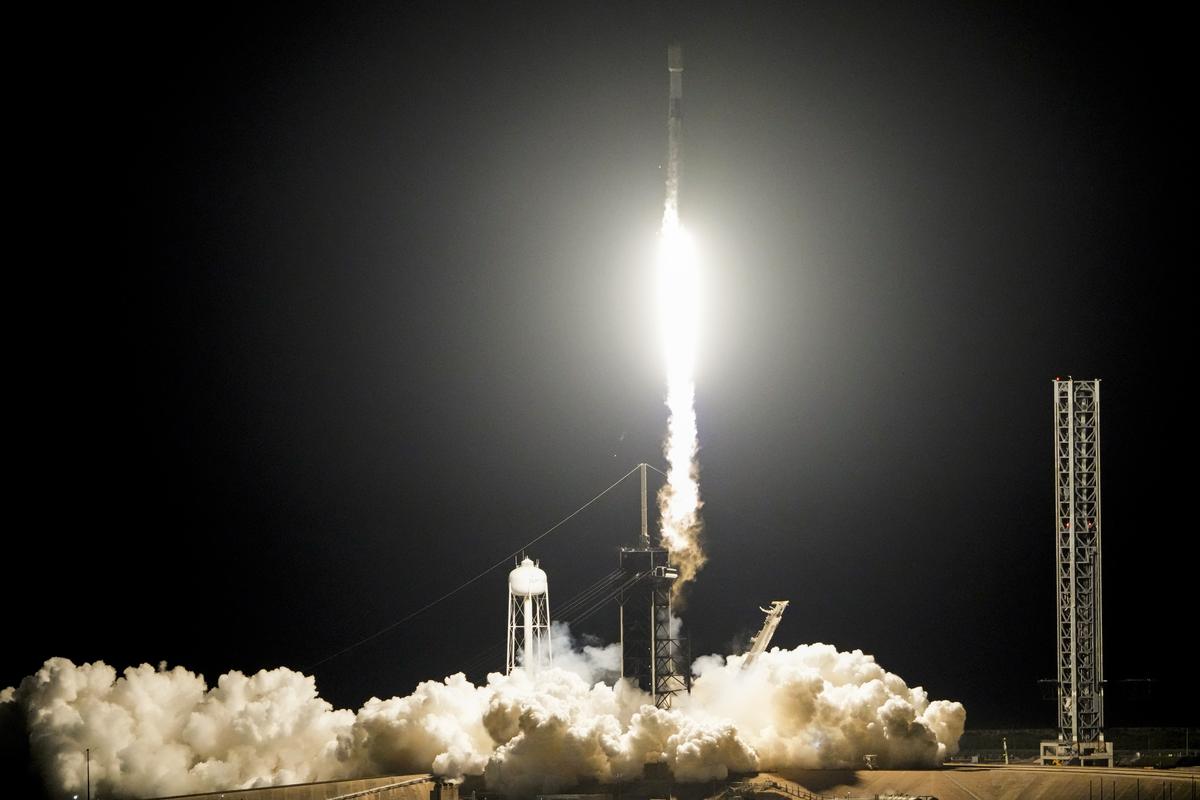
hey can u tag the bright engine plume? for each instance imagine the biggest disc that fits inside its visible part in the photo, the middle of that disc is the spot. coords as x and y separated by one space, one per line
678 300
679 500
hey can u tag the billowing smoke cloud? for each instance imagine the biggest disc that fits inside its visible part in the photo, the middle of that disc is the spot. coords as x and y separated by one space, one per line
159 731
588 658
817 707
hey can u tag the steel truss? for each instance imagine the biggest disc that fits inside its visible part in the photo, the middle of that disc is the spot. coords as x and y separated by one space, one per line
1077 526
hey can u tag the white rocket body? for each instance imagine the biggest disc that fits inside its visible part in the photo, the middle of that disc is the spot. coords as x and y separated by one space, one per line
674 131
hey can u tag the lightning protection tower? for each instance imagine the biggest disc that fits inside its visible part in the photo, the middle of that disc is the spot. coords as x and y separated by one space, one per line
653 654
1077 551
528 618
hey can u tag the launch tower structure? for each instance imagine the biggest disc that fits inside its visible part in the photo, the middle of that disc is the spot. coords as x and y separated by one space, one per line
653 654
1079 623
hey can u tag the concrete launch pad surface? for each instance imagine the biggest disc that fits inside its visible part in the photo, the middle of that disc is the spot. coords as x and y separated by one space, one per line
957 782
986 782
395 787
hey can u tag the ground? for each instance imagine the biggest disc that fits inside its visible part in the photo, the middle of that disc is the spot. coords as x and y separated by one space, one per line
995 783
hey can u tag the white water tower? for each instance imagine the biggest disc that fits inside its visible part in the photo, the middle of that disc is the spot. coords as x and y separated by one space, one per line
528 617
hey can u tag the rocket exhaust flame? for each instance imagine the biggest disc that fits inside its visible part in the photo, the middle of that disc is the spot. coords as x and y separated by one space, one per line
678 299
679 499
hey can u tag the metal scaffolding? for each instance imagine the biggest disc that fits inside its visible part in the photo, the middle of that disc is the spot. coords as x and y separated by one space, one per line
653 654
1077 533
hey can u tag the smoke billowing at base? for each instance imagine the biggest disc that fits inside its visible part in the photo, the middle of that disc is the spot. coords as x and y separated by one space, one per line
159 731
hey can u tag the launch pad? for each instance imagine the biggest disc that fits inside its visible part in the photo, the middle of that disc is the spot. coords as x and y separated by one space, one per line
653 654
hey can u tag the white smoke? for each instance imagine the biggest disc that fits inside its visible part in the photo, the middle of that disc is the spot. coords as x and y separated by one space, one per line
158 731
439 728
817 707
587 658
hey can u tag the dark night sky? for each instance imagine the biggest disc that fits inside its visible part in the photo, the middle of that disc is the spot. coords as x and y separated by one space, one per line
322 313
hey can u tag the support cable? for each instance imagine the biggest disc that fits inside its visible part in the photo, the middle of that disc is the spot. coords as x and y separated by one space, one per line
586 613
602 602
469 581
569 607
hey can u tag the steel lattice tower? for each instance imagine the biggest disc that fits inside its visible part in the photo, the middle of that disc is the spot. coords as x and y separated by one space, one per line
1077 535
653 655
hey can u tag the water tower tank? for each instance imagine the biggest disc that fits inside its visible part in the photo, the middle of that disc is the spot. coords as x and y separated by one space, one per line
527 580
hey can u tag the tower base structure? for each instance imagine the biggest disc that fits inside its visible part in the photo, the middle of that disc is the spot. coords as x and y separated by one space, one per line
1079 754
653 654
1080 611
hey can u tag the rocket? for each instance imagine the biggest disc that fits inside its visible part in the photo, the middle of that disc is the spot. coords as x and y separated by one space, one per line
674 131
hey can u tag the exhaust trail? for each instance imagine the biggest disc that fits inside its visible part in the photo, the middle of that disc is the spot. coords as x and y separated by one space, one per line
679 500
